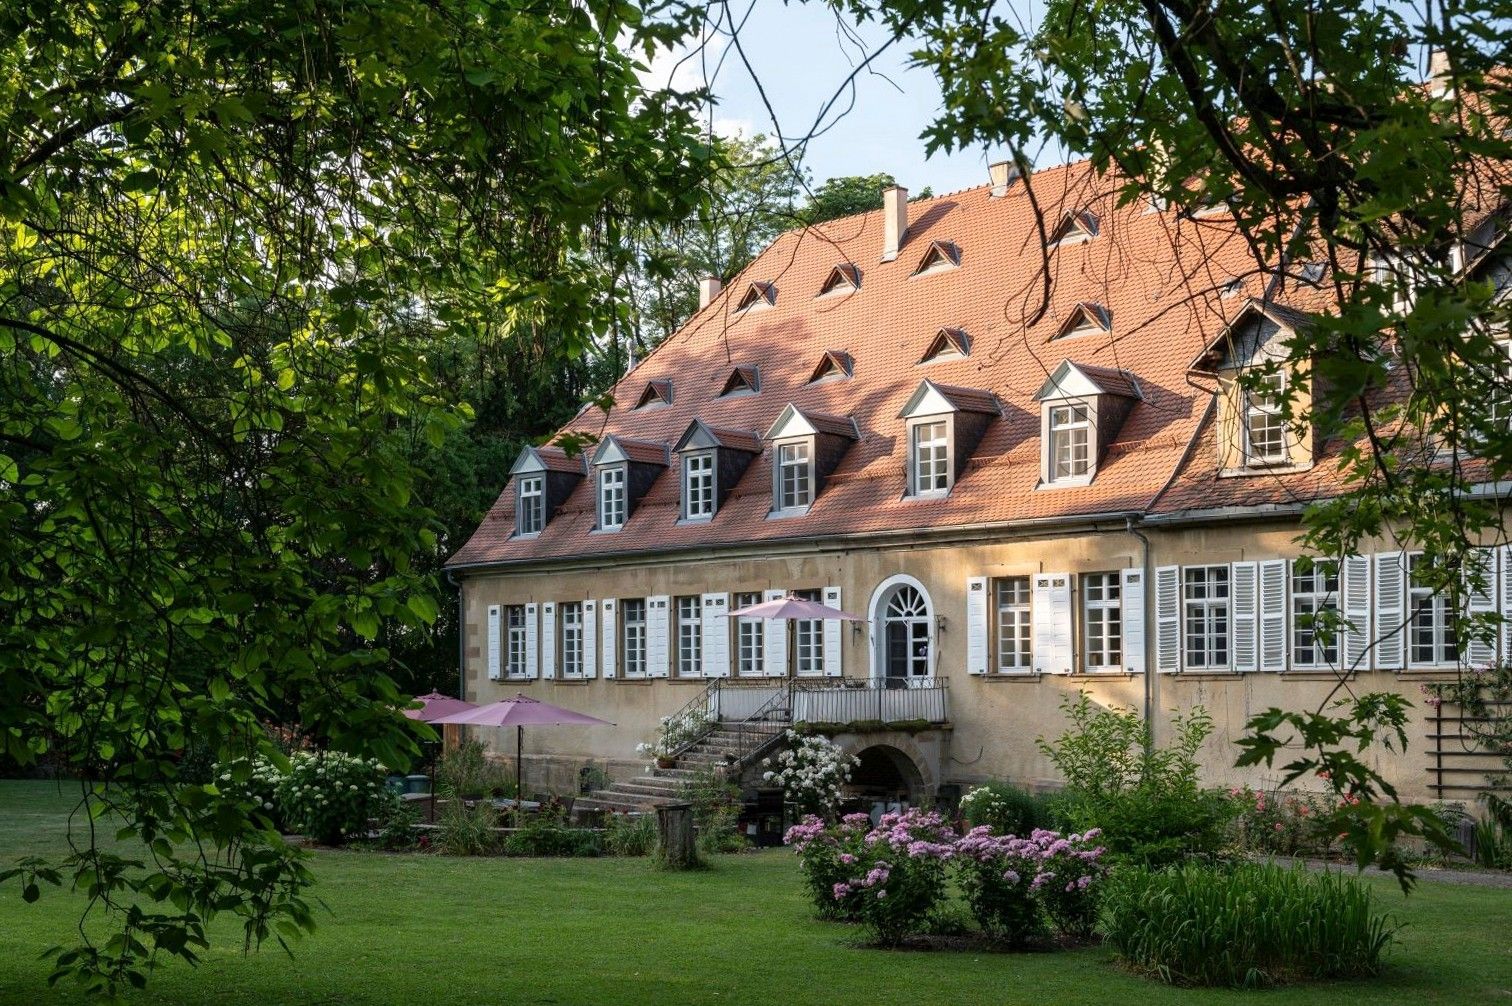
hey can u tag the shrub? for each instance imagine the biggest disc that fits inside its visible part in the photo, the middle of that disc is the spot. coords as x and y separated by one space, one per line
465 829
827 856
330 795
1071 880
396 820
548 836
676 732
812 772
1244 925
466 771
1281 824
253 783
1493 844
629 834
899 877
716 813
1005 809
1015 885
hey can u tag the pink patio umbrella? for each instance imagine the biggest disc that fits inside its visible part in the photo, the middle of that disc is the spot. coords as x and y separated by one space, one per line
792 608
435 705
521 712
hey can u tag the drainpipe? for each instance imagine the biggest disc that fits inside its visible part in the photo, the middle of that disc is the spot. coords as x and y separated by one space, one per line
461 638
1149 634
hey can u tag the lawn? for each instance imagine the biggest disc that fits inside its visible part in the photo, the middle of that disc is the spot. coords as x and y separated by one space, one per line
425 929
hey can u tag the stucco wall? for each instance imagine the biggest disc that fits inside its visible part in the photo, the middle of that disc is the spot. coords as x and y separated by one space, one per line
996 718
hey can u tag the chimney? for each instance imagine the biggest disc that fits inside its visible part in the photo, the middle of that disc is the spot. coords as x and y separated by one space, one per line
708 289
1438 70
1002 174
894 220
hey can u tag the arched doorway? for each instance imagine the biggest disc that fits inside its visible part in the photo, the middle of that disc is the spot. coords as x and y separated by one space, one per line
903 632
885 779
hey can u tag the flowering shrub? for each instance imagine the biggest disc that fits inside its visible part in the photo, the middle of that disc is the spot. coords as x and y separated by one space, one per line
330 795
252 782
1005 809
676 732
1283 824
827 855
1070 880
1014 885
812 772
899 876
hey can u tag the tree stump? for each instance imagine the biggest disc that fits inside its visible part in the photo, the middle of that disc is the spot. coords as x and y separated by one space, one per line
674 830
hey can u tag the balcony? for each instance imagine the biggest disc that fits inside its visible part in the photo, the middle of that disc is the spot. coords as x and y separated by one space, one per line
874 703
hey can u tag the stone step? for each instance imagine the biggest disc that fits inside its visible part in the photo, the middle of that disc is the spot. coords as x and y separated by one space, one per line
595 803
654 788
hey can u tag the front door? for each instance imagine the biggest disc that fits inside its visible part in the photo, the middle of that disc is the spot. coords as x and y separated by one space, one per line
905 630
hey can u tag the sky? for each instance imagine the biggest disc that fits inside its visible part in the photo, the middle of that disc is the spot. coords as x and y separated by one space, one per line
801 60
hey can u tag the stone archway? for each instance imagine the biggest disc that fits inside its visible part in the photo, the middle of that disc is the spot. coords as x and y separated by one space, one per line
895 767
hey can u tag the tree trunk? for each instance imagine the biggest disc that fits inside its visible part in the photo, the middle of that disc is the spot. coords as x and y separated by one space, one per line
674 828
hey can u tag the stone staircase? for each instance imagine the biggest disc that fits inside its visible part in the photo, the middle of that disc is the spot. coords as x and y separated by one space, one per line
717 749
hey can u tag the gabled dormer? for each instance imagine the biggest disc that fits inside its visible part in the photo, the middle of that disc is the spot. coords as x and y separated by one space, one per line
947 344
939 256
543 479
1082 408
742 381
1074 227
806 448
623 471
834 365
944 425
843 278
1087 318
655 395
1256 380
711 461
757 295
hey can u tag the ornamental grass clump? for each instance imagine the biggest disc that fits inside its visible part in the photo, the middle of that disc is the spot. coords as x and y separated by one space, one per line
1018 888
1247 925
899 877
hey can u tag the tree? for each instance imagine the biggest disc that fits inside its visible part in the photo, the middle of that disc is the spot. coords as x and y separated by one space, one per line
1315 128
849 194
235 238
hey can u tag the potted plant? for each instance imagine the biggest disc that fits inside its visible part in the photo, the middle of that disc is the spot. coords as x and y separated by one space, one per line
673 734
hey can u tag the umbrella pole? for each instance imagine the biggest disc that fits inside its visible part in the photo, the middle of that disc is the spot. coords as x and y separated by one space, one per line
519 759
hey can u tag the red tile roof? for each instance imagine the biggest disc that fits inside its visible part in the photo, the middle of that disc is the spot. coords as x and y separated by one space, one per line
1160 275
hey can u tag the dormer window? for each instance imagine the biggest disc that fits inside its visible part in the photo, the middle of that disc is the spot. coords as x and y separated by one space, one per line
795 476
1070 437
931 454
842 278
1075 227
1083 408
806 447
1264 425
833 366
532 504
940 255
611 498
712 462
698 486
1086 319
948 344
945 424
656 394
757 295
742 381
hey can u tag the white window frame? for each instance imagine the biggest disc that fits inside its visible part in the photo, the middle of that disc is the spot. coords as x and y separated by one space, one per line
699 500
785 459
531 506
570 629
1102 602
515 665
808 639
1308 594
1267 408
1212 615
1067 427
750 639
930 468
1430 611
634 636
689 611
1013 625
613 497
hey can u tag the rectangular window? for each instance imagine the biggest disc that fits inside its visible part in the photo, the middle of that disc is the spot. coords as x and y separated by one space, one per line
931 458
515 613
1102 621
795 484
1499 402
1206 602
570 620
1070 431
1264 426
633 637
1014 643
611 499
532 504
808 639
750 639
698 486
1313 594
1430 621
690 636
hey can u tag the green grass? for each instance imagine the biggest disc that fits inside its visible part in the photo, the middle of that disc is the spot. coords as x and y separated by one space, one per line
424 929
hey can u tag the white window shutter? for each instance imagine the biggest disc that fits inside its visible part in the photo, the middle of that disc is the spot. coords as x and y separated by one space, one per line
1273 615
776 639
658 643
1132 594
1052 623
716 635
548 640
834 633
1504 592
590 640
1244 625
609 636
976 625
1479 603
532 639
1354 584
493 642
1390 604
1168 619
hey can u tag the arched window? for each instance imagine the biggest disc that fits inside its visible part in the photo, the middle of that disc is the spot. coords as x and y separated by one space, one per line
905 633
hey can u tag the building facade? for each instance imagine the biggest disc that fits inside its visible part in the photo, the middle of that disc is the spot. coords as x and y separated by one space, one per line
1021 444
